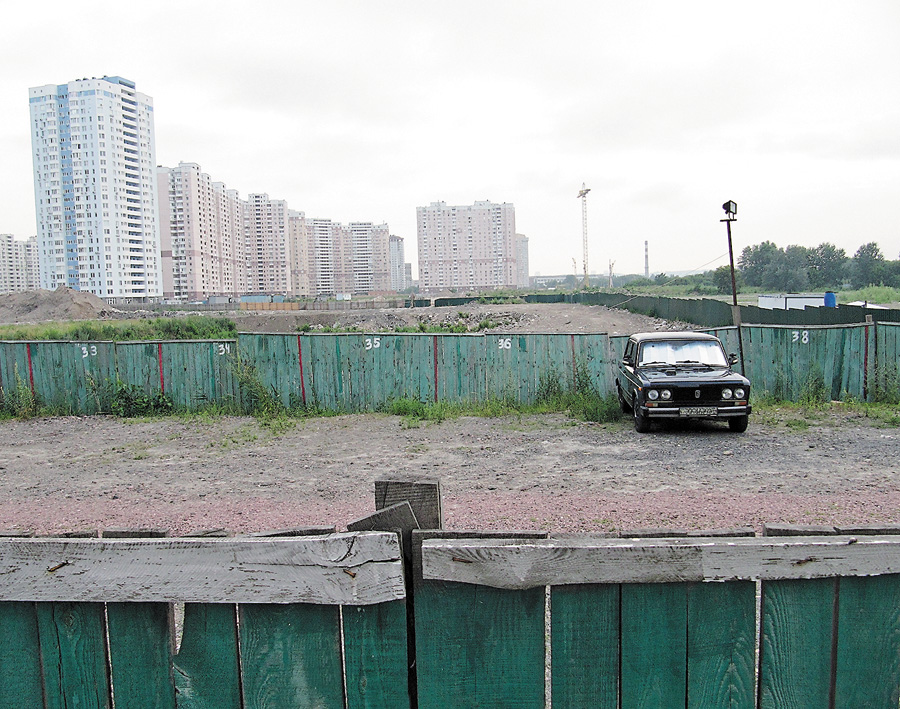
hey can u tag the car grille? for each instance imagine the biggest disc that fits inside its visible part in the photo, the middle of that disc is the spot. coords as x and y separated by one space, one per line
686 395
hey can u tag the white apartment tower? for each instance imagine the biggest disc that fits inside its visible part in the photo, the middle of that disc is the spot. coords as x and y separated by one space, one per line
202 235
18 264
398 264
469 247
523 280
95 189
267 244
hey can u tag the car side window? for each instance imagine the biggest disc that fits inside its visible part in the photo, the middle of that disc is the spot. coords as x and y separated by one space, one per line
629 353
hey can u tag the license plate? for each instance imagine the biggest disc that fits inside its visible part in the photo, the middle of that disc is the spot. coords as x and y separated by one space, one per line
699 411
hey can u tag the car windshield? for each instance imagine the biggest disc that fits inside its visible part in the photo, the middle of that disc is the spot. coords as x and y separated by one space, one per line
707 352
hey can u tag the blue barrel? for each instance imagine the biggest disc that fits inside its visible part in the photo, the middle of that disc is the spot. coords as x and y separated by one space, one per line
830 299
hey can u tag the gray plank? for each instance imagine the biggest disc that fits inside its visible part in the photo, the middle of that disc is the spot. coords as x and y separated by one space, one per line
517 565
344 569
423 494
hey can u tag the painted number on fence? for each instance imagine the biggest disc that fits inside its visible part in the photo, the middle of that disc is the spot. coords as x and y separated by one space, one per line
800 336
223 348
373 343
88 351
505 343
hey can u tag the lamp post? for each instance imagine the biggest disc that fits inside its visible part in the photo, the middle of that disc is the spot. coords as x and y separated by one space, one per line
730 208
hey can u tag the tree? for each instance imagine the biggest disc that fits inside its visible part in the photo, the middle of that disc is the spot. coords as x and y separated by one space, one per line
827 266
787 271
722 280
868 266
755 260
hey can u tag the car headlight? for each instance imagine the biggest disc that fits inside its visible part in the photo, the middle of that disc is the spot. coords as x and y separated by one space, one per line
739 393
665 395
726 393
653 395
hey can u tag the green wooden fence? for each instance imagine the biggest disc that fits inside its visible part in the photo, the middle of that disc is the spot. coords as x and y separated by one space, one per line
524 621
362 371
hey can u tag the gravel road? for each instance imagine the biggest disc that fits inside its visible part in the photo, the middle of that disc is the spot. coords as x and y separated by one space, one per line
517 472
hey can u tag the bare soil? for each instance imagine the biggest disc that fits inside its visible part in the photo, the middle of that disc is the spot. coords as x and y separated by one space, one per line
517 472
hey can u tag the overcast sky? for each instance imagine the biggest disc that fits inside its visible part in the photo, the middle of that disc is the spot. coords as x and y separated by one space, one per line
362 111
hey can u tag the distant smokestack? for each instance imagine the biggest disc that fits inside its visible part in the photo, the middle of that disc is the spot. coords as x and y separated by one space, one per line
646 260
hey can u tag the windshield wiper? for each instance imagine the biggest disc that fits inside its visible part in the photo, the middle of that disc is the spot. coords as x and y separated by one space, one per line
653 364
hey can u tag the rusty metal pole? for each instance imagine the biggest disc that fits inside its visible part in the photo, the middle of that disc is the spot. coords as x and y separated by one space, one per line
735 308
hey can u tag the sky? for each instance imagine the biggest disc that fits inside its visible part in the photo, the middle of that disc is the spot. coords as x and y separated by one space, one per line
363 111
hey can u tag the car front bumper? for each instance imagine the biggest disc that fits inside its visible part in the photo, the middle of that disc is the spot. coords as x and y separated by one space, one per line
701 412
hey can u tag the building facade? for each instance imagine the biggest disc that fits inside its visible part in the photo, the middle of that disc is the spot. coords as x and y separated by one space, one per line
202 235
267 246
399 281
18 264
95 189
523 280
470 247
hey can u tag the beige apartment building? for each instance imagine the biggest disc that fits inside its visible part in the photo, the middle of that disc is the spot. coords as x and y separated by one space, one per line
471 247
202 235
18 264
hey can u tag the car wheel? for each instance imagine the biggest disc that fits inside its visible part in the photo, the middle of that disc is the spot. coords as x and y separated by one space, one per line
641 422
622 403
738 424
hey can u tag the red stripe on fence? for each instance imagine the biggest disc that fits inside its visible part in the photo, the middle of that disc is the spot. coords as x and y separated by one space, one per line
300 357
30 368
435 368
162 381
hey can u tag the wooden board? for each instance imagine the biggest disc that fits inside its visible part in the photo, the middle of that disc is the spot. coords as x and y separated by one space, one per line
206 666
375 655
585 646
422 494
868 648
20 660
291 656
479 647
340 569
506 564
796 644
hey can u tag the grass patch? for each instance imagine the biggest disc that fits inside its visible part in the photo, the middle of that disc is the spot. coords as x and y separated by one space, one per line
192 327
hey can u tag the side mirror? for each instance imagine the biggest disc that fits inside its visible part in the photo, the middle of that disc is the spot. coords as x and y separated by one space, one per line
732 358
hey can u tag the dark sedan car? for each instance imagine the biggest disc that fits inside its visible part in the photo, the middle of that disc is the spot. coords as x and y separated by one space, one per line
681 375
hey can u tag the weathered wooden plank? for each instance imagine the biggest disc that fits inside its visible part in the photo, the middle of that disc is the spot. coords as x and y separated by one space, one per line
479 647
423 495
585 646
291 656
796 644
868 649
396 517
20 660
340 569
73 655
141 643
721 645
571 561
375 652
654 645
207 674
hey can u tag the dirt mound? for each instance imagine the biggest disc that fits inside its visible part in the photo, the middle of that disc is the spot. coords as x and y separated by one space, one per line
43 305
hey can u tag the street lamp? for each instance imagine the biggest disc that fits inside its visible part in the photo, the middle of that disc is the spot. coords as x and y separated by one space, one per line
730 208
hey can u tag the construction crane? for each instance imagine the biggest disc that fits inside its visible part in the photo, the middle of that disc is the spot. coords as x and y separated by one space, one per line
582 195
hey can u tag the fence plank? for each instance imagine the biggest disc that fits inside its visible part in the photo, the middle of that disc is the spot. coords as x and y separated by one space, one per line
796 644
375 656
20 661
654 645
140 653
206 666
585 646
257 570
73 655
479 647
721 645
291 656
868 650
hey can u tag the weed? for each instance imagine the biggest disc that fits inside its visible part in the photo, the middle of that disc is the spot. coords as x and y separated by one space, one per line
130 401
20 402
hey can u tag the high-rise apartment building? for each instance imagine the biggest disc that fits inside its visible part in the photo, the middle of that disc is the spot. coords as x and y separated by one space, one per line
95 189
202 234
18 264
267 244
398 264
523 280
467 247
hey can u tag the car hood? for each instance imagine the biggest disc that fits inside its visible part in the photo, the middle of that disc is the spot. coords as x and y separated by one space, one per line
671 375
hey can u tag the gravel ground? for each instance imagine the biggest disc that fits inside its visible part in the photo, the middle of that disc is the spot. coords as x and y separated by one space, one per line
517 472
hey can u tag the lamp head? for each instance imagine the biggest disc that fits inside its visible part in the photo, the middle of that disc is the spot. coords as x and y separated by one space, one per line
730 208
